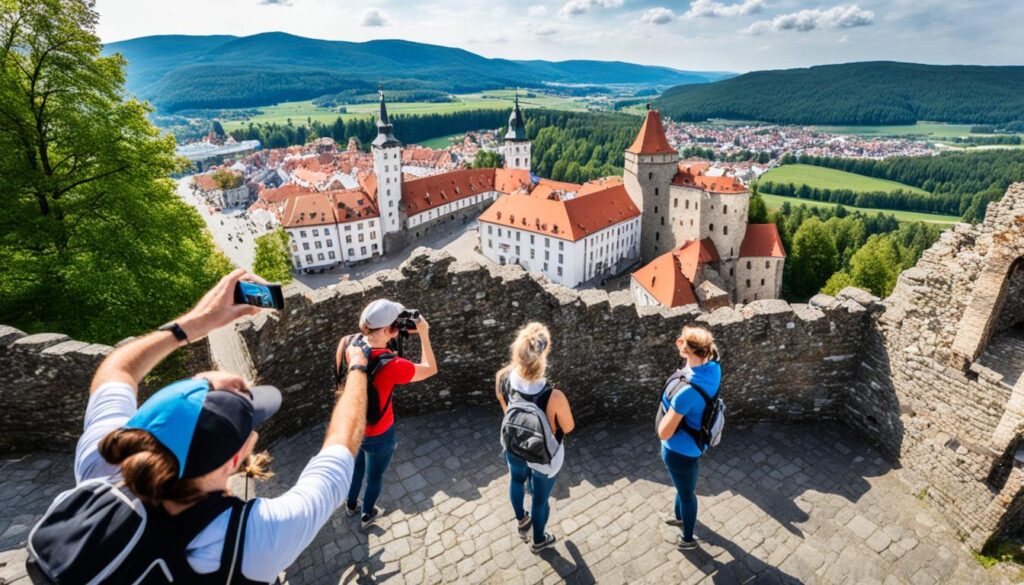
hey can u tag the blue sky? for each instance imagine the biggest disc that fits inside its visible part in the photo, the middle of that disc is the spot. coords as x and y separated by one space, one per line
722 35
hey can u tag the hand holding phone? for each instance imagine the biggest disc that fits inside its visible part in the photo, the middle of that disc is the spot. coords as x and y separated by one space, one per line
265 296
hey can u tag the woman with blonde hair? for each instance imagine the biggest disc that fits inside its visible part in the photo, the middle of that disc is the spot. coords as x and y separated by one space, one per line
524 379
683 403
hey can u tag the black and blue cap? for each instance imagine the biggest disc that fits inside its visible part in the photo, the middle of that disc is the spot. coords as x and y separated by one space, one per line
204 427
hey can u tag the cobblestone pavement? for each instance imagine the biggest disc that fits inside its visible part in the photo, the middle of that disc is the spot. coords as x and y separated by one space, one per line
777 505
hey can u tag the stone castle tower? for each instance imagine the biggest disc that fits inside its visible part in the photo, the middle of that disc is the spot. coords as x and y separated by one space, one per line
650 165
387 165
516 149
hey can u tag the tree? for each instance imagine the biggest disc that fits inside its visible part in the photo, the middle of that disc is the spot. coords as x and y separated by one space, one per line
273 261
226 180
837 282
218 129
876 266
94 242
814 257
486 159
758 211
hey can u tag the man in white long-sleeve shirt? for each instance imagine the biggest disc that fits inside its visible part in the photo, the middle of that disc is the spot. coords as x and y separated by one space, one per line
181 446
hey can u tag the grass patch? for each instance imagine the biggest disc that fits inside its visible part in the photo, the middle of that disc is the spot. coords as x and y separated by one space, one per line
825 178
928 130
500 99
1000 551
442 141
775 201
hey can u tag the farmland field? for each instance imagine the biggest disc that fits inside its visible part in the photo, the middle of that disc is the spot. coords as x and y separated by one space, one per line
442 141
298 112
929 130
775 201
824 178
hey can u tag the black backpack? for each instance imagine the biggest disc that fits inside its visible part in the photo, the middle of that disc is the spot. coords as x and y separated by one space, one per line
100 533
712 420
525 430
374 411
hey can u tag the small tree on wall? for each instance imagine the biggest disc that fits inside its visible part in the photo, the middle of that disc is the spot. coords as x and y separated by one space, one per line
273 261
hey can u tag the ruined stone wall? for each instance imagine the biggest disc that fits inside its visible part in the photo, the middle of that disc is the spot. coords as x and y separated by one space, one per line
953 421
44 386
783 362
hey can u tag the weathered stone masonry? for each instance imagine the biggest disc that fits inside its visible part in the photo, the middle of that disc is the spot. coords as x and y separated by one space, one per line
931 375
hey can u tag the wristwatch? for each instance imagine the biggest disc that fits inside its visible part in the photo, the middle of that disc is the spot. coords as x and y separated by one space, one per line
176 329
358 367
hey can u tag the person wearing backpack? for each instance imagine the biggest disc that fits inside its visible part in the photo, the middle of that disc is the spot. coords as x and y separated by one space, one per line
380 324
151 503
537 418
682 418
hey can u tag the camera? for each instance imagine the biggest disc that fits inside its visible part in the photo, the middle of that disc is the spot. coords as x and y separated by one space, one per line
407 319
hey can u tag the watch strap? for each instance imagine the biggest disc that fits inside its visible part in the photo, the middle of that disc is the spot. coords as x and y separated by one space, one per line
358 367
176 329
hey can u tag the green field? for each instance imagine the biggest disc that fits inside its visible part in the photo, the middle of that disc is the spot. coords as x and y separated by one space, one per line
442 141
775 201
929 130
298 112
824 178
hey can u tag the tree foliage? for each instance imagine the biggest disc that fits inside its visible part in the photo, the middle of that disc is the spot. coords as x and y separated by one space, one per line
757 212
486 159
94 241
814 257
273 261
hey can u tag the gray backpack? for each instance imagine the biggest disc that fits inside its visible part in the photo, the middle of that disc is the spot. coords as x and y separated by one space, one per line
525 430
712 422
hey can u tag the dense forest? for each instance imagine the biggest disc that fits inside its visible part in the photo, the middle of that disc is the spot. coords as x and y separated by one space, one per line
830 248
857 93
971 179
567 146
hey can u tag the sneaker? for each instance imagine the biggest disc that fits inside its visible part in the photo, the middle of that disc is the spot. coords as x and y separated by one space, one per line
549 540
371 518
524 527
683 544
671 521
352 511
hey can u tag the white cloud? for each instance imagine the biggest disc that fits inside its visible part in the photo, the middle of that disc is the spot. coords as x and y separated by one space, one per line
537 10
374 17
575 7
657 16
713 9
545 31
846 16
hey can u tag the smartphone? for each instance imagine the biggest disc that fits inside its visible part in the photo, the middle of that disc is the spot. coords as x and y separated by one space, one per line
267 296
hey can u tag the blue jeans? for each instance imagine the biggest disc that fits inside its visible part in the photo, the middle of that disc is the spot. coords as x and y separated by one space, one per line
373 458
540 487
683 471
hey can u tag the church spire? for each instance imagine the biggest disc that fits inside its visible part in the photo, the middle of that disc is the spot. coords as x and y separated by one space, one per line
516 127
385 136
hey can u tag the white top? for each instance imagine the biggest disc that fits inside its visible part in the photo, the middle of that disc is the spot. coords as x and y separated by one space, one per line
529 389
279 528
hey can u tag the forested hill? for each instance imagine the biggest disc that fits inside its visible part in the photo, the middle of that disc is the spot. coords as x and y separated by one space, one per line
879 92
178 72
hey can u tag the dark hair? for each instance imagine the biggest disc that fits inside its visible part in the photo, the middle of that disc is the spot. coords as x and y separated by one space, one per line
149 469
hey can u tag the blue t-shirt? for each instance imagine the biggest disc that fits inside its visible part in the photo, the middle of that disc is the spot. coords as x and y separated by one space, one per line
689 403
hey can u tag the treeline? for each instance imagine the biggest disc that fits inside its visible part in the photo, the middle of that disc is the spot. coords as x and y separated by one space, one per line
355 96
695 151
998 139
408 128
857 93
896 200
579 146
970 178
830 248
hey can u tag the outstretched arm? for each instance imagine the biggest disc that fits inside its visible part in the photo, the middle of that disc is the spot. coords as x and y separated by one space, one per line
131 362
427 366
348 421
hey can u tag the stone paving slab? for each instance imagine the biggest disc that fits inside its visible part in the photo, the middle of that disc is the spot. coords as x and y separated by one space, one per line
805 504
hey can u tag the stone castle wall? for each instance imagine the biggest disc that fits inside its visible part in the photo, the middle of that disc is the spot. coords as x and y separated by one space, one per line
931 376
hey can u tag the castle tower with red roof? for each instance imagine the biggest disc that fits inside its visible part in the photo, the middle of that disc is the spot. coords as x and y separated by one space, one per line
650 164
387 166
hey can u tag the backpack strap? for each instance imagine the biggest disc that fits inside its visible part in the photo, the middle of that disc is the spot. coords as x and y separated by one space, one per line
695 434
376 366
188 524
665 398
234 543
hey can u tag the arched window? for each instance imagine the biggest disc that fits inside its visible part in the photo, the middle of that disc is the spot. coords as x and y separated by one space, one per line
676 203
748 266
687 204
766 264
650 176
725 209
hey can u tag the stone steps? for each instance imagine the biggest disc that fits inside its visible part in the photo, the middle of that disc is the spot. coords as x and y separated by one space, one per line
1005 355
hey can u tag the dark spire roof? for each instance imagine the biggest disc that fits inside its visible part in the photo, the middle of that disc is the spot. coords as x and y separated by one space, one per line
516 127
385 137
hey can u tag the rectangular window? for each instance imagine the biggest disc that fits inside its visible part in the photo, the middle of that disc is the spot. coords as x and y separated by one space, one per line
330 255
532 253
374 247
320 256
560 259
547 255
359 226
490 243
561 245
330 243
545 267
351 251
531 238
318 245
490 229
360 237
547 243
297 261
517 236
327 232
348 239
302 234
559 271
362 250
309 258
316 233
348 228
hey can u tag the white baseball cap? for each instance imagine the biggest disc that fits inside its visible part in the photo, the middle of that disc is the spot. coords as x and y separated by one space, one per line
380 313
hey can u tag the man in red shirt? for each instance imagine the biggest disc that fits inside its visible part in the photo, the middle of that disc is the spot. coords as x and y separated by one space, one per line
379 326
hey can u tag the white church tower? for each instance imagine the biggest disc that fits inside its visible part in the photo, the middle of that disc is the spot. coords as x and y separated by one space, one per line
516 149
387 165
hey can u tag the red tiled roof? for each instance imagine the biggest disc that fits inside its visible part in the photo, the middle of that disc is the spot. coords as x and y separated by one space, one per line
511 180
694 253
568 220
762 240
665 281
354 205
288 190
651 139
368 182
598 185
205 182
426 193
687 178
308 210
